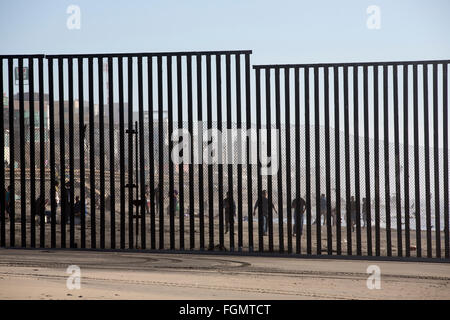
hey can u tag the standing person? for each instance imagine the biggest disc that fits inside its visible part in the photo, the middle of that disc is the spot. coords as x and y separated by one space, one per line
40 204
8 200
174 200
263 204
66 201
364 211
323 208
230 210
299 206
352 212
147 199
77 210
156 192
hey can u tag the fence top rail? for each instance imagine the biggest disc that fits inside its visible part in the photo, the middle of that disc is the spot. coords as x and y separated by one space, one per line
148 54
21 56
348 64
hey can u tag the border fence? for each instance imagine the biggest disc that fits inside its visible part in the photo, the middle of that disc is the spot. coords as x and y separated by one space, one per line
361 154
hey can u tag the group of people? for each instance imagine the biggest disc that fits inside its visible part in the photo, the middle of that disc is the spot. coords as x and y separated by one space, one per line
40 203
229 205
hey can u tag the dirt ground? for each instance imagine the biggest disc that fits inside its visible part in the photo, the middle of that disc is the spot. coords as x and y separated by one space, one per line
42 274
245 236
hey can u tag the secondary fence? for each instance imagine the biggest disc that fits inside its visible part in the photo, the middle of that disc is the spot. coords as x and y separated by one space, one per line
88 154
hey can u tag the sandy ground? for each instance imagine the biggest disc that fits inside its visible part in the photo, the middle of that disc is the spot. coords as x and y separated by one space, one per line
41 274
245 236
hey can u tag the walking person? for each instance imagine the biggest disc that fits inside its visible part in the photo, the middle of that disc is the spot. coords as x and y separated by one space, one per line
299 207
230 210
263 204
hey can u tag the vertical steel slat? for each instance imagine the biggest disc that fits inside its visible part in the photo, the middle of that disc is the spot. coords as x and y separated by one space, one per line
308 164
386 159
41 151
181 165
317 160
12 192
92 152
71 155
130 154
210 166
376 159
219 127
32 152
62 152
239 164
136 202
367 209
427 160
249 164
112 162
357 166
191 166
288 156
2 168
141 154
280 171
160 154
201 208
406 158
258 147
171 174
269 154
151 141
229 155
298 214
347 164
397 165
122 155
437 213
82 132
327 160
52 152
337 159
416 161
445 138
23 210
101 150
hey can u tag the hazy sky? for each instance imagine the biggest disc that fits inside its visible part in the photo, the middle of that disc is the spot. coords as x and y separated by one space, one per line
278 31
285 31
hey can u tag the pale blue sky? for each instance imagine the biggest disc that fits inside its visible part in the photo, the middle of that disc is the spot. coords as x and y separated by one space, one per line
277 31
285 31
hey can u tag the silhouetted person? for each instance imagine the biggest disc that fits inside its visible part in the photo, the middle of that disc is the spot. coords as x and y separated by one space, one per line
230 210
352 212
299 207
157 193
364 211
8 200
173 198
263 204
